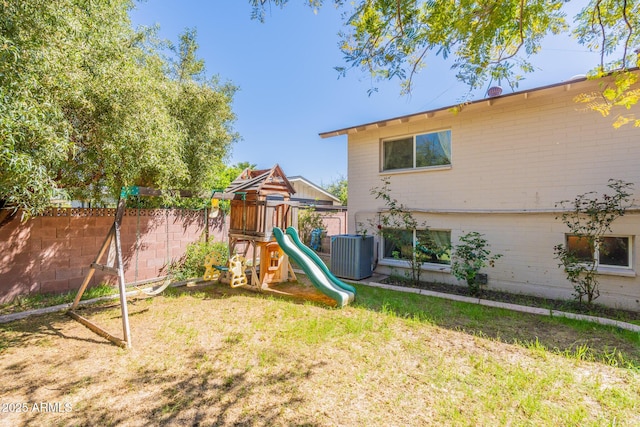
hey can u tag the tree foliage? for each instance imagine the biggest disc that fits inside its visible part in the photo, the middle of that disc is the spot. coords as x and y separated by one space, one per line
88 105
339 188
486 40
226 174
308 220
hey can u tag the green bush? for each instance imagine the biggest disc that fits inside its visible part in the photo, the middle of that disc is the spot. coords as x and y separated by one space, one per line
469 257
191 265
589 217
308 220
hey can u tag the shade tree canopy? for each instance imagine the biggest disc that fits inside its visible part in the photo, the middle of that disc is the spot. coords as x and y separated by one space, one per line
487 41
339 188
89 104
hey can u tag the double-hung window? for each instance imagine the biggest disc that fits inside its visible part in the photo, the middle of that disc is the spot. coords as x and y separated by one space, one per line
417 151
608 252
431 246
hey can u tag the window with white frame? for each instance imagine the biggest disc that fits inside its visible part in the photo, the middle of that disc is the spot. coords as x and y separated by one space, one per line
433 246
417 151
609 251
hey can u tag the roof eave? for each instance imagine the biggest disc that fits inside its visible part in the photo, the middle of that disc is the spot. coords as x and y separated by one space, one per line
431 113
314 186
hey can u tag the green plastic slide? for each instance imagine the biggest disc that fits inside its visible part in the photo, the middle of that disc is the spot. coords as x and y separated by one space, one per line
321 278
314 256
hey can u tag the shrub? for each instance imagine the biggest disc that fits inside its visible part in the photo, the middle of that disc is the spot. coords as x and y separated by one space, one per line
397 227
191 265
471 256
590 217
308 220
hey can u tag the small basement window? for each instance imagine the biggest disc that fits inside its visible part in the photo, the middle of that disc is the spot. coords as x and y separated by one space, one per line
434 246
609 251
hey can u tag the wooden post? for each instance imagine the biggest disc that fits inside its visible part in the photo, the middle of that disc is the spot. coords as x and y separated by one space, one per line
113 237
87 279
122 287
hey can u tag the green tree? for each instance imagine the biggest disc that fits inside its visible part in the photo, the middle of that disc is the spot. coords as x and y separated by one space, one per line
226 174
486 40
202 110
339 188
88 105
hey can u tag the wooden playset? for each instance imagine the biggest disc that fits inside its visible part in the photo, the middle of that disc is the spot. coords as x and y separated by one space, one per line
260 200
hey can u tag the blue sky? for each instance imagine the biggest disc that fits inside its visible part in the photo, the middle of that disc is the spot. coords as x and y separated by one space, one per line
289 90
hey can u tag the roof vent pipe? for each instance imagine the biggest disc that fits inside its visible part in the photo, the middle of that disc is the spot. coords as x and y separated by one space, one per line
494 91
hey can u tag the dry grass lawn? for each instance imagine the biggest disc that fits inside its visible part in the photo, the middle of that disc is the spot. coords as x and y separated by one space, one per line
219 356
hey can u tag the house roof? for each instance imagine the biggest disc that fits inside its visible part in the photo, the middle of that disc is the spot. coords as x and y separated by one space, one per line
431 113
314 186
261 181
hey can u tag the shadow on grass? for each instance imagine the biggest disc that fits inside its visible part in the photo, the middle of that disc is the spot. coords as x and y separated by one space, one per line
572 338
180 385
209 396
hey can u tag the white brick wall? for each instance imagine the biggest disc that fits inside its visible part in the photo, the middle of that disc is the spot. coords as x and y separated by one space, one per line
516 154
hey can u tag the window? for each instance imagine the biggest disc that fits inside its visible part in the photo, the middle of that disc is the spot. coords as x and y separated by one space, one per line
419 151
434 246
610 251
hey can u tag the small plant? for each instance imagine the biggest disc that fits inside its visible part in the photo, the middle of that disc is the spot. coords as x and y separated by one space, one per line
589 218
471 256
361 229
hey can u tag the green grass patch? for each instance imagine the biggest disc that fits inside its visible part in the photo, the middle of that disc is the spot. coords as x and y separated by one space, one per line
35 301
572 338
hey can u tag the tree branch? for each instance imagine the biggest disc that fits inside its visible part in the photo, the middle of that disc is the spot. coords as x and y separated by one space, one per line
399 16
414 68
602 30
626 43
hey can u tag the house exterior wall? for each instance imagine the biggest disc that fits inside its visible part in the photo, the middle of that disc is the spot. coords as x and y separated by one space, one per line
513 159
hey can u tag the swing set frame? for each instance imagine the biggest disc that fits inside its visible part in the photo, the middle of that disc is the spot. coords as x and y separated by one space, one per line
114 265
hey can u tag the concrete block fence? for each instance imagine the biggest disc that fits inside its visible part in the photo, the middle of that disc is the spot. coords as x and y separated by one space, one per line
53 252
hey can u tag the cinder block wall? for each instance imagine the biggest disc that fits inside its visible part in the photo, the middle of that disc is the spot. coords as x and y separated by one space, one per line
53 252
335 223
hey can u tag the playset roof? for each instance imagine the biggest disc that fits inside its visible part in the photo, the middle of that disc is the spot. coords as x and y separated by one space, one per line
263 182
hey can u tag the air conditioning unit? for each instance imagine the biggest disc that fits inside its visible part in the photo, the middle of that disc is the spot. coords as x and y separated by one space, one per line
352 256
